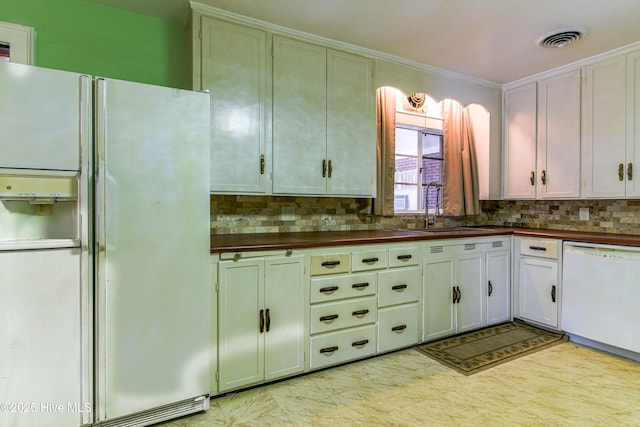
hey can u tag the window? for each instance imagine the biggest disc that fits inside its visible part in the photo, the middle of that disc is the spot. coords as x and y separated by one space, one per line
16 43
4 52
419 161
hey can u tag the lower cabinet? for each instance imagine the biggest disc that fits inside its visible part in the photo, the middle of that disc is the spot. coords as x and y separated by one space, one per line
399 294
466 286
261 318
538 280
498 265
364 300
454 296
280 313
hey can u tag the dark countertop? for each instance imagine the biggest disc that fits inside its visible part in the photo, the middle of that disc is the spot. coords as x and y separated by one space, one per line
275 241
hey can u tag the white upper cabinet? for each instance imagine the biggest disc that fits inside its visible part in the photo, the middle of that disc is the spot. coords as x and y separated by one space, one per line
542 139
351 132
520 142
633 124
234 70
558 153
323 121
603 129
299 117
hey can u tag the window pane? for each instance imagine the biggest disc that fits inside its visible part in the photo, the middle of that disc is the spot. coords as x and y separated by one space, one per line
405 197
432 145
406 141
431 171
406 169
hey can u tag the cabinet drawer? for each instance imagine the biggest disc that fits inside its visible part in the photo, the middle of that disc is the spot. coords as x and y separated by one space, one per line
338 347
398 326
370 260
402 257
329 264
542 248
399 286
343 314
344 286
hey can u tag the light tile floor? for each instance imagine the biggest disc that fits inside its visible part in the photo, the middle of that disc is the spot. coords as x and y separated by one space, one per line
565 385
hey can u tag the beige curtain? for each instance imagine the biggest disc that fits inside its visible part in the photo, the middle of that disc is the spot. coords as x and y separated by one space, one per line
460 175
386 148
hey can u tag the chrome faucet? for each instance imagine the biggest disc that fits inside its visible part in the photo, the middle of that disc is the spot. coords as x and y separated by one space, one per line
426 203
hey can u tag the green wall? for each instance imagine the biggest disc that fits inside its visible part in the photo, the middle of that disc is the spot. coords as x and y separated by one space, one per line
85 37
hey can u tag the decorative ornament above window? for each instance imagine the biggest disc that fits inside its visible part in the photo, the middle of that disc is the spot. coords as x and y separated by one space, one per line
417 100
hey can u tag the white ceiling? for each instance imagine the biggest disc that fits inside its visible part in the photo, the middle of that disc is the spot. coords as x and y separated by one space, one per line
493 40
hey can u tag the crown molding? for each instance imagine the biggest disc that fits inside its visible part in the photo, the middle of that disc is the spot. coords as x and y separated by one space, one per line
334 44
574 65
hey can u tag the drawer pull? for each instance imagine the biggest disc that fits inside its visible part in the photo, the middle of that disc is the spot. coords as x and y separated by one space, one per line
537 248
399 287
329 289
328 318
399 328
329 349
404 257
359 343
360 312
370 260
330 263
360 285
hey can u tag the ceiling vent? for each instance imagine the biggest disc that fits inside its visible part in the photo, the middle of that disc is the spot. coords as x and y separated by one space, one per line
561 37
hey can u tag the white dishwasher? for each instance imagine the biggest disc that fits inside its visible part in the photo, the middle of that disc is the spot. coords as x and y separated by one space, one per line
601 293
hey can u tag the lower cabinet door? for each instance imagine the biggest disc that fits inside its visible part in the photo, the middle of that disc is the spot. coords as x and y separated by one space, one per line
398 327
337 347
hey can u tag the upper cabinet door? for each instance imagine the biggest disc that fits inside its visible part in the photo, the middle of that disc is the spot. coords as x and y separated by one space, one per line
234 70
558 157
633 125
520 142
300 165
603 129
351 137
45 117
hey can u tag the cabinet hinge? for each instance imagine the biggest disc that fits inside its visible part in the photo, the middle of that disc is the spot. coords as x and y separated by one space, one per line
217 376
200 34
217 286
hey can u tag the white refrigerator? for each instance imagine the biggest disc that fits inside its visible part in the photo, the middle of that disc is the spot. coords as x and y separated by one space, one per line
104 250
46 323
152 251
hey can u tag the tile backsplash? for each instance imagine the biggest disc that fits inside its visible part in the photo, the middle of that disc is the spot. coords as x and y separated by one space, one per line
264 214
